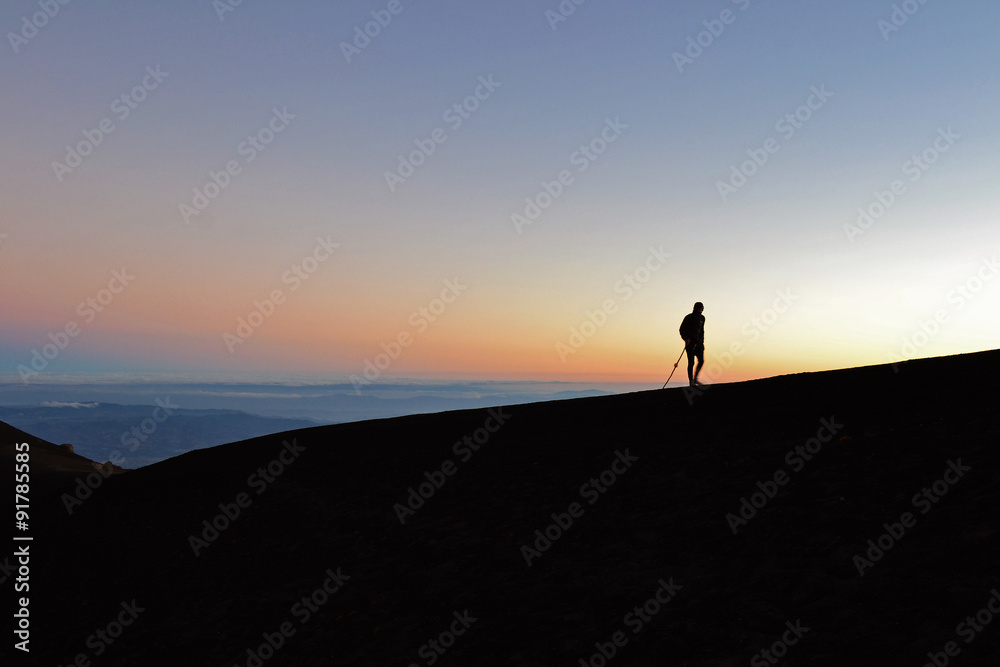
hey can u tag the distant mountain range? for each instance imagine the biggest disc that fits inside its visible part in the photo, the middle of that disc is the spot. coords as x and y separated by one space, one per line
133 436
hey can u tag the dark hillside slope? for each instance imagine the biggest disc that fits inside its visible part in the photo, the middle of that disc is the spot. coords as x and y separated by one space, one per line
642 485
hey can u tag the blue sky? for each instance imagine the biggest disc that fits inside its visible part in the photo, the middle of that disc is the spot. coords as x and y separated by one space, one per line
858 297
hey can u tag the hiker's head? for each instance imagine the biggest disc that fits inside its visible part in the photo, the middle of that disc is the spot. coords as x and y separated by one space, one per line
698 307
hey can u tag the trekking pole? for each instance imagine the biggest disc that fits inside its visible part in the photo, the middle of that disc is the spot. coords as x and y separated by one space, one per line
675 367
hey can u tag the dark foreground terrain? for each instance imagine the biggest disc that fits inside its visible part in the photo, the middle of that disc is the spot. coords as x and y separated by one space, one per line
836 518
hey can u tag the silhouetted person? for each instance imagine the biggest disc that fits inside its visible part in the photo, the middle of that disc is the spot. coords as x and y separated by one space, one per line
693 332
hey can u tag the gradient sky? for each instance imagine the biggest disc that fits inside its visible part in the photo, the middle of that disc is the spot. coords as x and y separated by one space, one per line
682 126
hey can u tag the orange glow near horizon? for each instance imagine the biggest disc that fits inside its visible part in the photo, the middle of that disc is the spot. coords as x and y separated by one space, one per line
323 330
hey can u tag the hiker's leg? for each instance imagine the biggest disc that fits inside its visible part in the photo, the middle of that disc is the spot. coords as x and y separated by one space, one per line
690 353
